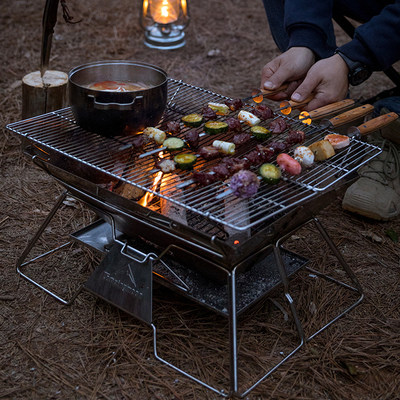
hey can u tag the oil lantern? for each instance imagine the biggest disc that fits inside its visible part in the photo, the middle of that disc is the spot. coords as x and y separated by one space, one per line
164 22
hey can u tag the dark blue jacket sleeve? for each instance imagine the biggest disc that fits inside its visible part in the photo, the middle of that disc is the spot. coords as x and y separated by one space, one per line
376 43
309 24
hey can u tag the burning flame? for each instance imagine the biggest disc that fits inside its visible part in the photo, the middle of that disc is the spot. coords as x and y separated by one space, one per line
304 117
236 242
164 11
146 199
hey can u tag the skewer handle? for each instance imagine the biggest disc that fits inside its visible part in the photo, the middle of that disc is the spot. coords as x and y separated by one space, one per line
351 115
299 104
373 124
321 112
287 106
267 92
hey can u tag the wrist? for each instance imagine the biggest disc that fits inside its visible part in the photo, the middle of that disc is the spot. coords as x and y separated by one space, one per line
357 72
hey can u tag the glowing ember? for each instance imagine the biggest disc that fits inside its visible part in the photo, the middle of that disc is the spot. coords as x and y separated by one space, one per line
285 107
304 117
236 242
259 98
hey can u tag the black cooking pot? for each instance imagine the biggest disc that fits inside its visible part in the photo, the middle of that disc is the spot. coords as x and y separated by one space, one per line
114 113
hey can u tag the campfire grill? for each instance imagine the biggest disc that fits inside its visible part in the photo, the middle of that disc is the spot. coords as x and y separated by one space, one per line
218 235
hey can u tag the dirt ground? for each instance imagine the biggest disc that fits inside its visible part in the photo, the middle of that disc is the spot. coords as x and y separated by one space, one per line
91 350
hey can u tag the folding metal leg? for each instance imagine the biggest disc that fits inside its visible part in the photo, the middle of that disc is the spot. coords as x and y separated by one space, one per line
21 264
356 285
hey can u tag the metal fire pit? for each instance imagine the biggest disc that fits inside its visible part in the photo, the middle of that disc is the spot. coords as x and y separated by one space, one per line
232 241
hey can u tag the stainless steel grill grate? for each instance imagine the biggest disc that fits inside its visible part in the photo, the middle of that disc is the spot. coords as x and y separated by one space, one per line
58 132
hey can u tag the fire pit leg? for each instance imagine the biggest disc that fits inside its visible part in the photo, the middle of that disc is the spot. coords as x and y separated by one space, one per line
21 263
233 333
174 367
356 285
285 283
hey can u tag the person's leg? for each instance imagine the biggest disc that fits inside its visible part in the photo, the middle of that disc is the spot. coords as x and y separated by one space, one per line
377 193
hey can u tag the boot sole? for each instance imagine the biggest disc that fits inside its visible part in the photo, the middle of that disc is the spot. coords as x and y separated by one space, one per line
367 214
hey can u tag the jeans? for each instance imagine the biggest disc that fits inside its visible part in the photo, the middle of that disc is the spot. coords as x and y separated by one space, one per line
391 103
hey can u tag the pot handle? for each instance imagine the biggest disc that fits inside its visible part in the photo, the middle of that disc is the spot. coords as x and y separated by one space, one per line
114 106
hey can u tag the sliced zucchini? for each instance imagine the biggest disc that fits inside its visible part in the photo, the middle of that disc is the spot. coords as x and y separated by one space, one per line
270 173
193 120
260 133
185 160
174 144
221 109
214 127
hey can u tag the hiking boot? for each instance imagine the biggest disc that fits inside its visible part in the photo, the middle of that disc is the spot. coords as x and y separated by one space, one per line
376 194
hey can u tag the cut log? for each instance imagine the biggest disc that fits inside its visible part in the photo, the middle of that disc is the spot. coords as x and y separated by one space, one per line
40 96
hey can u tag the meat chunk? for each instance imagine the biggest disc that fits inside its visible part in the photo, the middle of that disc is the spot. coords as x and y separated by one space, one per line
259 155
208 113
295 137
244 184
192 139
204 178
209 152
138 141
221 171
173 127
278 125
234 104
166 165
241 138
277 147
263 112
235 164
234 125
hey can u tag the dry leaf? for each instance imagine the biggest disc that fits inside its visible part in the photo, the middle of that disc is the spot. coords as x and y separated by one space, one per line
373 236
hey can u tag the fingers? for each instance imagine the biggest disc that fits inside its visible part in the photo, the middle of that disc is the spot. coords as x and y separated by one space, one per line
273 75
326 80
308 86
285 94
288 67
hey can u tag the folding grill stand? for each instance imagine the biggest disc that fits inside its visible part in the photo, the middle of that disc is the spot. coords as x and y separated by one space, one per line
145 292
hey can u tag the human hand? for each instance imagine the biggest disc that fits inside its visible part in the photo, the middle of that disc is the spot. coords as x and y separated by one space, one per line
290 67
327 80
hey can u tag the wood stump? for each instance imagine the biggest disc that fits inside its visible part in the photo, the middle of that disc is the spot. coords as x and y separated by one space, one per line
42 95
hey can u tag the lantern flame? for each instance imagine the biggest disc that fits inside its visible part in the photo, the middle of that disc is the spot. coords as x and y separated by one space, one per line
164 11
